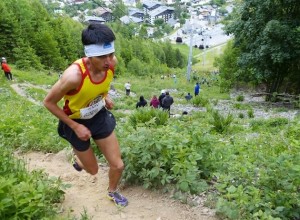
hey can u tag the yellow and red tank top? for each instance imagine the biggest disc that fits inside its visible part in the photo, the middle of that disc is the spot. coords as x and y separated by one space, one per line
88 98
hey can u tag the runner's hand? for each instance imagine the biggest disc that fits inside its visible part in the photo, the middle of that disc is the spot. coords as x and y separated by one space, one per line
82 132
109 104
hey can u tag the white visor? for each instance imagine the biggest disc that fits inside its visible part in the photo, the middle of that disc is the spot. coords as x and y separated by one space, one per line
95 50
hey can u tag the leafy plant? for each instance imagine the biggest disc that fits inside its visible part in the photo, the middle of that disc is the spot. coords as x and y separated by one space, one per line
241 115
221 123
148 116
240 98
270 124
250 113
154 159
26 195
200 101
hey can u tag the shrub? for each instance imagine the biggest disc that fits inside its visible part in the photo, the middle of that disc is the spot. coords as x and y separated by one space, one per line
250 113
240 98
148 116
241 106
225 85
159 156
241 115
272 124
220 122
200 101
26 195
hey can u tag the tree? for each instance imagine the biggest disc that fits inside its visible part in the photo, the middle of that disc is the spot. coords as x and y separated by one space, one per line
177 10
158 22
136 67
217 2
119 9
8 31
227 64
170 55
180 59
128 53
32 38
266 34
26 57
67 34
143 32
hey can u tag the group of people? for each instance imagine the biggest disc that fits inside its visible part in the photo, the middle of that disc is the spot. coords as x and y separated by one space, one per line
6 68
188 97
164 101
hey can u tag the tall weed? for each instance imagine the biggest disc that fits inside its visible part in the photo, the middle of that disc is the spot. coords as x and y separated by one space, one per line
220 122
148 116
200 101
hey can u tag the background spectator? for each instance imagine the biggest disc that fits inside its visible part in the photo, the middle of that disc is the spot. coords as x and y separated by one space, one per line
197 89
127 88
141 103
154 102
188 97
6 68
160 98
167 102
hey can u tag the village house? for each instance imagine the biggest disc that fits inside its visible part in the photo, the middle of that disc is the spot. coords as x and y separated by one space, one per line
150 6
130 19
93 19
135 12
162 12
104 13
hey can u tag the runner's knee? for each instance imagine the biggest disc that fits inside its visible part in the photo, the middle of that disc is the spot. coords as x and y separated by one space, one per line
117 166
92 170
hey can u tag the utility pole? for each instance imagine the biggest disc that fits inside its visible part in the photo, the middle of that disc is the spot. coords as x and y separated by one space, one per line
189 66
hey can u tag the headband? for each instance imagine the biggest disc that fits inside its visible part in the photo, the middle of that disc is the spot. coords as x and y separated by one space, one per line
95 50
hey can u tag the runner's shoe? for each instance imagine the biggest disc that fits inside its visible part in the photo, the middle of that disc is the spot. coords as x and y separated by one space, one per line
117 198
77 167
75 164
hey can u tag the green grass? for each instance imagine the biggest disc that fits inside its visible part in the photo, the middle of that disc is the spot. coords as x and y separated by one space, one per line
33 76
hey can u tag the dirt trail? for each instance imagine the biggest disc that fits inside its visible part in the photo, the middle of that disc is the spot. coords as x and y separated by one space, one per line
89 193
20 89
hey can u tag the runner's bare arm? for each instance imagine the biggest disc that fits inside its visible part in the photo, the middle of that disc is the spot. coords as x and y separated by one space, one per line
69 81
109 104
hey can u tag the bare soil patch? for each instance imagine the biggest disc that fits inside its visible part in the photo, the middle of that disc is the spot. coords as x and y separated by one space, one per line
89 193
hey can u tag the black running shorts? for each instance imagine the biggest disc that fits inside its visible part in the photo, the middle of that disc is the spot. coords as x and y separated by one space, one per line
101 126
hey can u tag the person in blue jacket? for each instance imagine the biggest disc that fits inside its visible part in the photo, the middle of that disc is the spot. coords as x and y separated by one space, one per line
197 89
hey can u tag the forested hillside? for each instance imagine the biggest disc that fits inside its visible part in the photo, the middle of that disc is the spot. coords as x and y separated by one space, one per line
32 38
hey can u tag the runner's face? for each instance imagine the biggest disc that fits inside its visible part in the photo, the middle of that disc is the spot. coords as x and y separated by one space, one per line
102 63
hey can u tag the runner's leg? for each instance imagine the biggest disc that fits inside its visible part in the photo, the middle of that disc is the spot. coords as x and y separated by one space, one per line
110 148
87 160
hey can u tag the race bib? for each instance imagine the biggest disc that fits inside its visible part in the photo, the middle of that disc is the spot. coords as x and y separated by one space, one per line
94 107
